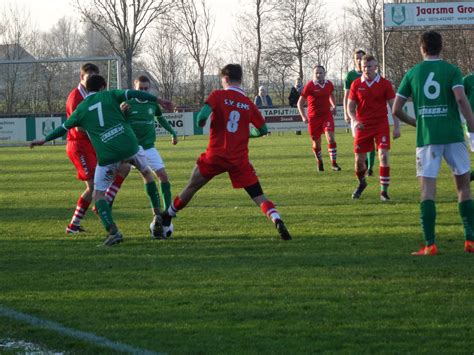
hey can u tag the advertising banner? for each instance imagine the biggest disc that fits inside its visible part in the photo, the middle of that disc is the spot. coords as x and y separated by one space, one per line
428 14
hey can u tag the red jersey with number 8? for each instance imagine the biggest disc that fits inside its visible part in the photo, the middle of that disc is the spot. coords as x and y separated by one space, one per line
232 113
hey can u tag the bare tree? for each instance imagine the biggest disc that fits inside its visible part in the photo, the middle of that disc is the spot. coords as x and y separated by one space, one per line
253 25
166 60
123 23
303 32
195 26
16 38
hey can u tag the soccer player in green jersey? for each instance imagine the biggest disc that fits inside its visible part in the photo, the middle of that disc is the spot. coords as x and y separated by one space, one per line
115 143
141 116
348 80
438 94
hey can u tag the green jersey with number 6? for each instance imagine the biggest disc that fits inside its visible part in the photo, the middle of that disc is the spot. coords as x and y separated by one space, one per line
141 116
110 134
430 84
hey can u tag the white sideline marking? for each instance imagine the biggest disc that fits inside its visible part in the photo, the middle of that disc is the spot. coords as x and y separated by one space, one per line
57 327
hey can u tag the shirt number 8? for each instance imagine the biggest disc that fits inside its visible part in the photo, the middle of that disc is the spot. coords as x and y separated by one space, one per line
233 123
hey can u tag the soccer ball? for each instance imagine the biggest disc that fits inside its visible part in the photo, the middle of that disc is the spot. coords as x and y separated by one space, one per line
168 231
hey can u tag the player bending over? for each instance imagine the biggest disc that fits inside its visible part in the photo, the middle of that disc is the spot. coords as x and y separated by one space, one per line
232 113
115 143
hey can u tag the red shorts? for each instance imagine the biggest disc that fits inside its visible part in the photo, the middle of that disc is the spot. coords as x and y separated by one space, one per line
82 154
241 174
317 126
364 139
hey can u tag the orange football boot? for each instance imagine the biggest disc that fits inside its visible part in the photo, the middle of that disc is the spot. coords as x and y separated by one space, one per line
427 250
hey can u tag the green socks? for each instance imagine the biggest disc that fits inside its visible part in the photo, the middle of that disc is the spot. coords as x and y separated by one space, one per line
165 188
466 210
105 213
428 220
152 192
370 160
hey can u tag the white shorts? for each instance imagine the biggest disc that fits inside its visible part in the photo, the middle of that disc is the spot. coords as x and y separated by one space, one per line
105 175
154 159
428 159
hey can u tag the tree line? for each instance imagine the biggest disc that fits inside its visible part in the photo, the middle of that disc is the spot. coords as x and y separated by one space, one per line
175 42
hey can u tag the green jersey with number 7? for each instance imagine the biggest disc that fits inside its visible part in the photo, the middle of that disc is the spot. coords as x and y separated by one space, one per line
110 134
430 84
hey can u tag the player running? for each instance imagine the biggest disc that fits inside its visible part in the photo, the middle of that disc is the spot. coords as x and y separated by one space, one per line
321 108
114 142
82 154
141 115
367 108
348 80
438 94
232 113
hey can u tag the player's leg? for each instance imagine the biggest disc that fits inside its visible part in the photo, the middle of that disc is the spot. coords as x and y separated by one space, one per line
457 157
360 170
84 160
370 161
122 173
102 179
428 160
268 208
331 139
384 174
315 131
157 165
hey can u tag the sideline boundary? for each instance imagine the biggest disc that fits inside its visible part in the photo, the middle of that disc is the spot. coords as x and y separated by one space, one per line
77 334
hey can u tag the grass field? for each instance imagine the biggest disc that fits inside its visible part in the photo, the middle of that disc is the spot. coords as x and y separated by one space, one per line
346 283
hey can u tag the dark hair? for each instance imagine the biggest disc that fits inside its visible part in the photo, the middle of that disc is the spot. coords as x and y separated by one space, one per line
95 83
359 51
233 71
320 66
143 79
431 42
90 68
369 58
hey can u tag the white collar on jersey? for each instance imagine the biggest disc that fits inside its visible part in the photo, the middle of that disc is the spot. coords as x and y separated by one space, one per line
315 82
82 90
237 89
90 93
432 59
370 83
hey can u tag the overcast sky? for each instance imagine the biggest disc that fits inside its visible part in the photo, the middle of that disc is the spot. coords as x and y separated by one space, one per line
45 13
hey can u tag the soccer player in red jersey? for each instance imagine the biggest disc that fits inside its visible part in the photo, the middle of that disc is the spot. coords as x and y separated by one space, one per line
321 108
367 106
232 113
82 154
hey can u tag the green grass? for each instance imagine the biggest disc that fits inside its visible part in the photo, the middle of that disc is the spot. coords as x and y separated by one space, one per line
226 283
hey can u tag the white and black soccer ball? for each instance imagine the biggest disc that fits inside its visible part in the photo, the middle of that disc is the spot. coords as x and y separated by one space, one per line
168 231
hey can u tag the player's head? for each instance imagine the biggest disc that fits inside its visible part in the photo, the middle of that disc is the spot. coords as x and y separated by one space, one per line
319 73
431 43
86 70
358 54
231 74
95 83
369 66
142 83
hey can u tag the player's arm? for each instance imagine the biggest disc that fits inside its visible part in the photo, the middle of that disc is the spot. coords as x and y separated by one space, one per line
301 102
464 106
258 132
399 112
347 118
396 123
166 125
58 132
203 115
332 101
351 112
